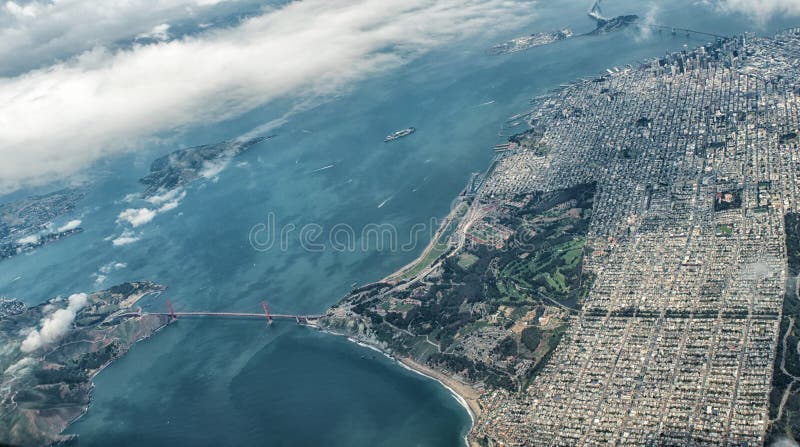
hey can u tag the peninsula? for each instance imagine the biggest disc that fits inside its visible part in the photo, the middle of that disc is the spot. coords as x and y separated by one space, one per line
50 353
27 224
624 273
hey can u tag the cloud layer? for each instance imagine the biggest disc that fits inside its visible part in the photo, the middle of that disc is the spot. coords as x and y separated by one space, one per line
58 119
56 325
761 10
36 32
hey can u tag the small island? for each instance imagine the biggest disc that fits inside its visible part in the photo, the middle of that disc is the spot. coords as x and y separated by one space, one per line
184 166
527 42
603 26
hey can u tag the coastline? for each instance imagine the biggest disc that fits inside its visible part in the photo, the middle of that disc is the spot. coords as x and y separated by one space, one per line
463 393
71 437
398 274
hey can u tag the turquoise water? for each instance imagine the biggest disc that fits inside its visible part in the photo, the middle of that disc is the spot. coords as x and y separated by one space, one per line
241 383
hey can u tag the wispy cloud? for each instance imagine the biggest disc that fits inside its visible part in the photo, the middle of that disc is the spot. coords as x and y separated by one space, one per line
111 266
32 239
159 32
760 11
136 217
71 225
169 200
104 101
127 237
102 273
20 367
650 19
37 32
49 229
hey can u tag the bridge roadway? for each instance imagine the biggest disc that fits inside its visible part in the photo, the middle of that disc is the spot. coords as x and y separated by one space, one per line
226 315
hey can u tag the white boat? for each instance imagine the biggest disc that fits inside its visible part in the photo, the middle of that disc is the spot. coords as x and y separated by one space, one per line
399 134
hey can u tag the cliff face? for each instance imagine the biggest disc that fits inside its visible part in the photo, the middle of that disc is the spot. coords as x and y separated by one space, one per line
46 381
353 326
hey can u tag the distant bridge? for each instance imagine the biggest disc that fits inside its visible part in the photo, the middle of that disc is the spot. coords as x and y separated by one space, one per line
299 319
675 30
597 14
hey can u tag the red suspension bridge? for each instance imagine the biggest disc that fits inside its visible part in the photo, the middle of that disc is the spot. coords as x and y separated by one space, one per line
299 319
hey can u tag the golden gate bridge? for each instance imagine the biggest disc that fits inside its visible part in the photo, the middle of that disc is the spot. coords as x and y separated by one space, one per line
267 315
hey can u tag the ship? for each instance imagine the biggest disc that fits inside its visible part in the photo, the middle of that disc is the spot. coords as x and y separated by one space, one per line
399 134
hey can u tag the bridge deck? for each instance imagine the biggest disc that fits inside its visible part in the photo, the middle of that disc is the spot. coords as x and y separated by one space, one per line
225 315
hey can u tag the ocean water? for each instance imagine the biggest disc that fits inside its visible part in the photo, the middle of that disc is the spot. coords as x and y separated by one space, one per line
241 383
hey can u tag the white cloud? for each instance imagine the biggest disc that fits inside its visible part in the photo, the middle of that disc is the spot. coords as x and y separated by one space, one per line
129 198
172 195
169 206
20 366
127 237
37 32
760 10
71 225
56 325
136 216
211 169
159 32
26 11
650 18
32 239
111 266
102 273
169 200
315 48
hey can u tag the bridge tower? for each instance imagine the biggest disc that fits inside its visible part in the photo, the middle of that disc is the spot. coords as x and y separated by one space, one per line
172 315
266 312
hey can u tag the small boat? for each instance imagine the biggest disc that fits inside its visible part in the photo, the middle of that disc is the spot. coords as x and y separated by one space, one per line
399 134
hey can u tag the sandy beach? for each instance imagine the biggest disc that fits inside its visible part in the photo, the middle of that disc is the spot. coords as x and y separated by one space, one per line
465 394
461 389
